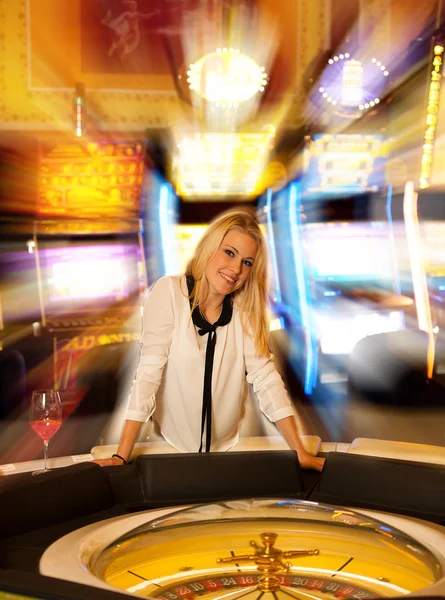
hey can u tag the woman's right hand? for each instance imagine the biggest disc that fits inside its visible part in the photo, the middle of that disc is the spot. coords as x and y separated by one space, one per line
108 462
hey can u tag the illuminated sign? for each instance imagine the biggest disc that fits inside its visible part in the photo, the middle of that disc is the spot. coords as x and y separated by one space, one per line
431 118
102 178
351 86
69 360
86 342
343 163
221 164
226 77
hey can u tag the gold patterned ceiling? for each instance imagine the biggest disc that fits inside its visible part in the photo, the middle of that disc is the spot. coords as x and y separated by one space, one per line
135 62
132 55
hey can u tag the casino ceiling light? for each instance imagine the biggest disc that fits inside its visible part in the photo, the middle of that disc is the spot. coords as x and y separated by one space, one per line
215 164
226 77
352 86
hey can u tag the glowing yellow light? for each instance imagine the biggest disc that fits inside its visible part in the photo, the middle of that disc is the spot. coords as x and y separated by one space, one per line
227 76
220 164
431 118
275 324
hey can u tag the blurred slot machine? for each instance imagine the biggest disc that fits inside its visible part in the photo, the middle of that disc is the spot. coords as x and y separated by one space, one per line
160 221
331 236
90 257
90 288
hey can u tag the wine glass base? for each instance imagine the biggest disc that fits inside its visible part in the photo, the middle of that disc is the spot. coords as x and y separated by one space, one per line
41 472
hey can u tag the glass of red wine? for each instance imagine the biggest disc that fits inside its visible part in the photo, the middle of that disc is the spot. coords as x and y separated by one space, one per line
45 417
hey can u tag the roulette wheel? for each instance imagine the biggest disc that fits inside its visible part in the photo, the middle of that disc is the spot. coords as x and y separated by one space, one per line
268 549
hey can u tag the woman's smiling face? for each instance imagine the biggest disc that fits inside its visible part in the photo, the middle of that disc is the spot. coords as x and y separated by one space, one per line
229 268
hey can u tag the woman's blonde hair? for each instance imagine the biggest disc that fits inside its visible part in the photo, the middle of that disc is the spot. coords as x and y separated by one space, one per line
251 298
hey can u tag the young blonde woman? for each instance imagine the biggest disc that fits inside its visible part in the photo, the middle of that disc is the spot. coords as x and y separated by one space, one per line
204 333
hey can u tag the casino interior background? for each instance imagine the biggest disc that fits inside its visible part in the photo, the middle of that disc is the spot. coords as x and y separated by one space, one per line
126 125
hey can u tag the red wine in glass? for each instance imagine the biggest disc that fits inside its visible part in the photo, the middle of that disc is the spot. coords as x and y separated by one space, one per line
45 418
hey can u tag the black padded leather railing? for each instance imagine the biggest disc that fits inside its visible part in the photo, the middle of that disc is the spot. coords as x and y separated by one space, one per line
170 479
386 484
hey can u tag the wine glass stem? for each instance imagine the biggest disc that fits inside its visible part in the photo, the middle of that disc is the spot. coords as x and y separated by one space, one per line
45 454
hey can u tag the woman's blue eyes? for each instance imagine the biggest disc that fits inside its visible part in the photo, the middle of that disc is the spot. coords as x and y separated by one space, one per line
248 263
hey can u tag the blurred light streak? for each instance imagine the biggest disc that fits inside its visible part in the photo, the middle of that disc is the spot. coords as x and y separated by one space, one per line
393 249
340 335
167 226
418 271
39 280
304 294
271 240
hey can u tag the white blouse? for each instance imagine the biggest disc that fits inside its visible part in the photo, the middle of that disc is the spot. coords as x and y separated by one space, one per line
169 380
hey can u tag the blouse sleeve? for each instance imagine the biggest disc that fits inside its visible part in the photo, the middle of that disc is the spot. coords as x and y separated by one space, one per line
267 383
157 330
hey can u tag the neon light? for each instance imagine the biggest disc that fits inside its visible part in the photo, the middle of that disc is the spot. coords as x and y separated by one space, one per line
420 285
431 118
273 251
354 92
295 222
166 228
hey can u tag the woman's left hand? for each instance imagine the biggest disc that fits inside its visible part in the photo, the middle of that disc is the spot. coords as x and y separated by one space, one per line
307 461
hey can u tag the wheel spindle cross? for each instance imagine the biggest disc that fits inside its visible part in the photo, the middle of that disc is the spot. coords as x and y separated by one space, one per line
269 561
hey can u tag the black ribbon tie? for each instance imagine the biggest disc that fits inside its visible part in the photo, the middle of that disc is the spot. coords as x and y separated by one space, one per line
204 327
